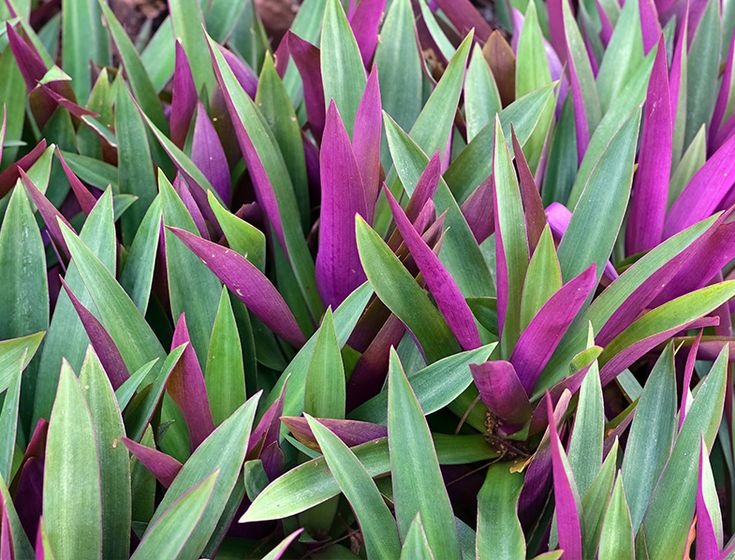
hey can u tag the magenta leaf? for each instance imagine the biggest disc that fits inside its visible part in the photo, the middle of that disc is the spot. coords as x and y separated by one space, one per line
502 391
351 432
707 546
162 466
247 282
183 98
209 156
364 23
307 59
366 139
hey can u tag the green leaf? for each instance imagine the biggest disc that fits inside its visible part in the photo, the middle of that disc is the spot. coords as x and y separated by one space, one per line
435 386
377 525
532 67
114 464
136 73
187 21
343 73
417 482
135 167
416 545
499 532
585 445
67 338
187 274
21 546
125 392
459 251
241 236
702 70
129 330
481 97
13 351
665 526
82 40
224 450
324 394
142 407
137 276
651 436
398 290
578 53
691 162
616 540
225 376
166 538
399 60
434 124
594 502
71 482
13 94
275 105
589 239
9 418
275 167
24 303
311 483
543 278
159 55
671 314
623 54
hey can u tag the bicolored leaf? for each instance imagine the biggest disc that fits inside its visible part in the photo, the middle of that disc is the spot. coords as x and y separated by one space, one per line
416 478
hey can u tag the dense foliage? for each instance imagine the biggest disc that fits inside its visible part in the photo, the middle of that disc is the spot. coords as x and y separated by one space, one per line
411 281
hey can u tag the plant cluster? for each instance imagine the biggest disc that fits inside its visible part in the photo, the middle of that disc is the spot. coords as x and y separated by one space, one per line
401 283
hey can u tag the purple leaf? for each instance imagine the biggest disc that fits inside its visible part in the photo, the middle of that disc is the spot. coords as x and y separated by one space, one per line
629 355
701 197
650 27
532 204
606 28
538 341
465 17
188 390
209 156
556 28
580 112
707 547
261 182
442 286
651 187
250 285
366 139
369 374
183 98
687 381
86 199
307 59
723 95
364 23
10 175
51 216
501 391
565 495
29 62
28 496
281 58
2 130
243 74
102 342
267 431
162 466
351 432
425 187
569 386
675 74
182 189
478 211
338 268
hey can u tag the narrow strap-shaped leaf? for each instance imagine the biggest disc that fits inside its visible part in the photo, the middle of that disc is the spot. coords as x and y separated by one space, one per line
543 334
281 547
376 522
71 484
499 533
566 498
707 546
306 57
84 197
650 191
532 204
416 478
532 66
187 388
616 538
162 466
415 544
366 139
501 391
183 98
324 392
686 395
364 23
250 285
344 195
9 416
225 450
187 22
543 278
442 286
342 69
171 532
350 432
101 341
209 156
48 213
395 286
114 464
481 97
